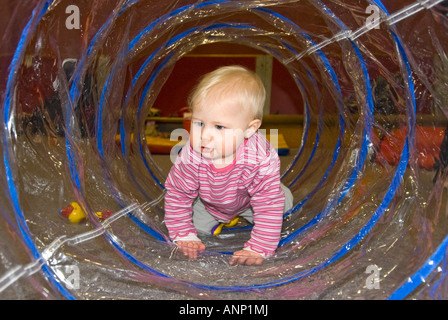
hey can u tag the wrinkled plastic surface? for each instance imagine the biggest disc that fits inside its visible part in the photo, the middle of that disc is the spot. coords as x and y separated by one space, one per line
368 179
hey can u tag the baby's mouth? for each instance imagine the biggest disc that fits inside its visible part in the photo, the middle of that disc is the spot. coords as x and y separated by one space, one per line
206 150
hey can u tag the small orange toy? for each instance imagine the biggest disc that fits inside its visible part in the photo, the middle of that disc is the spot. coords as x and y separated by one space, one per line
103 215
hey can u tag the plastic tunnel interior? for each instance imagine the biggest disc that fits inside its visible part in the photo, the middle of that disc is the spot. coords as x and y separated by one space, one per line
370 215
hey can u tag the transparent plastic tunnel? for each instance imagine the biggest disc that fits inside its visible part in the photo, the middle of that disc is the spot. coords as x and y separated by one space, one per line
370 218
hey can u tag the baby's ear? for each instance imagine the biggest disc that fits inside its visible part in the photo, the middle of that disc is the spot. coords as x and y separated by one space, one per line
252 128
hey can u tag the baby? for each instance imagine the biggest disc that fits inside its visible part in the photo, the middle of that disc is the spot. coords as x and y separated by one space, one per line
228 169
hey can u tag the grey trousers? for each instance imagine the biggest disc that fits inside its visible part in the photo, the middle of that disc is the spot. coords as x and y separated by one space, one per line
204 221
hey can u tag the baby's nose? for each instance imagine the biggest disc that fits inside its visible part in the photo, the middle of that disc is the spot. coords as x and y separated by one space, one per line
206 135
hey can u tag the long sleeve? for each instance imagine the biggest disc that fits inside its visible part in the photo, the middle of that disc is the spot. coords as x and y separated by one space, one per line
267 201
253 180
181 190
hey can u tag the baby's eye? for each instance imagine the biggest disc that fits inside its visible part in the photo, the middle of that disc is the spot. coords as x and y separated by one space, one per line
219 127
198 123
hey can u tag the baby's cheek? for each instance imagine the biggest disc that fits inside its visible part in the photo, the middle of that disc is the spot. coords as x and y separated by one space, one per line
236 142
227 145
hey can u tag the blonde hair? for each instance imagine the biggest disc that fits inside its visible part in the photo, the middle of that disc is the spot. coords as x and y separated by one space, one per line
238 81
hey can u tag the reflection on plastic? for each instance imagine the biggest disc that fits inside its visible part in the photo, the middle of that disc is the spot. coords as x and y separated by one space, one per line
370 211
17 272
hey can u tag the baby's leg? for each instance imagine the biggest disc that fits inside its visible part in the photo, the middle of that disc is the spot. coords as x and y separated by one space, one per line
289 199
202 220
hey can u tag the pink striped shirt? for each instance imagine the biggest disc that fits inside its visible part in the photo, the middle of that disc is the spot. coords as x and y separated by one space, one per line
252 180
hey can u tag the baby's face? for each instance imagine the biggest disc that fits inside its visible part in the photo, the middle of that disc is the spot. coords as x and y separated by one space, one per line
218 128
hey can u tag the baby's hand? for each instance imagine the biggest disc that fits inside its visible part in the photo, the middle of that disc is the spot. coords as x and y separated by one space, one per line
246 257
190 248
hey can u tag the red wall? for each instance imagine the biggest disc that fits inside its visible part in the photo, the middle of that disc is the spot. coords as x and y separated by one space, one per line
285 98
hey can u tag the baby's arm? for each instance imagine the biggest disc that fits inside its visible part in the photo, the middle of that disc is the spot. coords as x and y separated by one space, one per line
181 190
190 245
246 257
182 231
267 201
191 248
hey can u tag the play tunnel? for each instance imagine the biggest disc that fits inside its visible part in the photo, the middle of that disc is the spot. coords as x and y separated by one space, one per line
78 80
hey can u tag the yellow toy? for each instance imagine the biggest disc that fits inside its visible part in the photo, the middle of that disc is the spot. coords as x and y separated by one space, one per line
73 212
218 228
